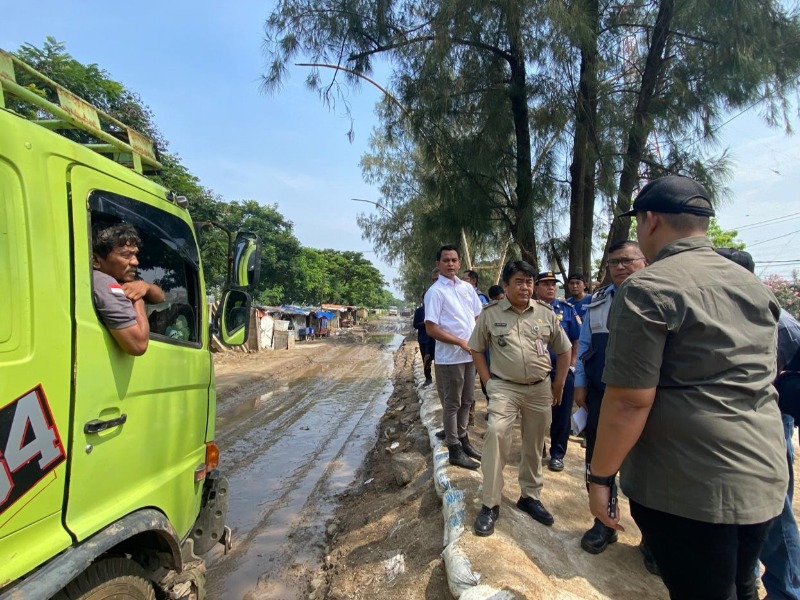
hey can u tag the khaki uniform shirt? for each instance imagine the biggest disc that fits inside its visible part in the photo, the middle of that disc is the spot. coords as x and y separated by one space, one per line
702 331
517 342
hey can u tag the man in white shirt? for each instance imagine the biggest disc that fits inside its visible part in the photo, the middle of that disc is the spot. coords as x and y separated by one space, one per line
451 306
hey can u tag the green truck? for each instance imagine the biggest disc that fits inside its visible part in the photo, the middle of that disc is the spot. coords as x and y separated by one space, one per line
109 486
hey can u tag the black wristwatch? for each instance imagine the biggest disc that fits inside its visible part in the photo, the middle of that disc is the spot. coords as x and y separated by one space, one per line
606 481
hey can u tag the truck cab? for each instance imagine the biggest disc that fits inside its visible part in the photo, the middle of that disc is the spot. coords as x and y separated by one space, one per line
108 466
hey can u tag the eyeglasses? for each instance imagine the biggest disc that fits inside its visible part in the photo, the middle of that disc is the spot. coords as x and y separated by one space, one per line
625 262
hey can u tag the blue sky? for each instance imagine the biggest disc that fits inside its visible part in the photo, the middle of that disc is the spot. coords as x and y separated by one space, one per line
198 66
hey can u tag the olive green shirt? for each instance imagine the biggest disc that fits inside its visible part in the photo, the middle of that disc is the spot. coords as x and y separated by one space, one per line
517 342
702 331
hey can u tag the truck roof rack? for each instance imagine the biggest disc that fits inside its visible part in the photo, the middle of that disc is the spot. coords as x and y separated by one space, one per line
112 138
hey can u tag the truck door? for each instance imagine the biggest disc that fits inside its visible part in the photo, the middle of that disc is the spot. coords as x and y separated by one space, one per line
35 362
140 423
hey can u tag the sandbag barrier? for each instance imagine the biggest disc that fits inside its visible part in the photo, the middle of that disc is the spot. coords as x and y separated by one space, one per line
463 581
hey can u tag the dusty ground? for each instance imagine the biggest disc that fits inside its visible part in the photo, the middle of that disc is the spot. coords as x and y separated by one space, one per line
379 539
381 520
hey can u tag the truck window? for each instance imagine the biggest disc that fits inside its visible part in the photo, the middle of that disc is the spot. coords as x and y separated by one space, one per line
168 258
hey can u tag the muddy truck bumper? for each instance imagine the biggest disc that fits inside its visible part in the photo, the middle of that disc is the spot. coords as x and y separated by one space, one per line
209 528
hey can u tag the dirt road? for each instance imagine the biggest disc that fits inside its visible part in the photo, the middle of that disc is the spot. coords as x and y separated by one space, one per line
293 427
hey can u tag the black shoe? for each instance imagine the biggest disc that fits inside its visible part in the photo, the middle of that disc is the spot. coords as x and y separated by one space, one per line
440 435
556 464
536 510
469 449
649 561
598 538
427 382
460 459
484 523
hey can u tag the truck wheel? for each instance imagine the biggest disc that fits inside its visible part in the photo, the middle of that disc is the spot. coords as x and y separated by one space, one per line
117 578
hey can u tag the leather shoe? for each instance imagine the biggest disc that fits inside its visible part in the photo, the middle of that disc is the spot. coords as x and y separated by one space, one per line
484 523
536 510
598 538
469 449
556 464
440 435
460 459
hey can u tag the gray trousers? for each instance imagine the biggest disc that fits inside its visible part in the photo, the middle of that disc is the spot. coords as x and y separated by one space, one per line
456 387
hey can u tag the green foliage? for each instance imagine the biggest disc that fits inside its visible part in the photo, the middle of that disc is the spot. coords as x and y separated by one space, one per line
724 239
787 291
336 277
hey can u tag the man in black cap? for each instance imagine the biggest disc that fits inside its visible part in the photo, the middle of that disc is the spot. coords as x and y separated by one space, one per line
689 410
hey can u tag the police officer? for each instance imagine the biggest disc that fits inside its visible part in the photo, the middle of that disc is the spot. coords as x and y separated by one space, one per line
546 285
517 331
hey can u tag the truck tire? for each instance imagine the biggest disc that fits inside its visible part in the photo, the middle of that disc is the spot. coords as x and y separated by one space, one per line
117 578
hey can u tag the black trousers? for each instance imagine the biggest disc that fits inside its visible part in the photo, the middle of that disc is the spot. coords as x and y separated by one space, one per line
562 419
702 561
594 399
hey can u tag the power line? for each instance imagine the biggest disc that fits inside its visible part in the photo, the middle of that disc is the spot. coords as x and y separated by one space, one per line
767 222
773 239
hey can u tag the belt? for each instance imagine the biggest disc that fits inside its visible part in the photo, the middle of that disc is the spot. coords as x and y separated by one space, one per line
538 381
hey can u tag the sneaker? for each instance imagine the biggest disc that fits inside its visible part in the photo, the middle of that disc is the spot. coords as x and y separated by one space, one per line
484 523
536 510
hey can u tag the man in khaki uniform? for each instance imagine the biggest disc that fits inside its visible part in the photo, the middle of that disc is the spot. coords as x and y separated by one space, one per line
517 332
689 404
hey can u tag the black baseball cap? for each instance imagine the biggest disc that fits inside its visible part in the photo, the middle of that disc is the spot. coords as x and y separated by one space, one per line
740 257
546 276
671 194
578 276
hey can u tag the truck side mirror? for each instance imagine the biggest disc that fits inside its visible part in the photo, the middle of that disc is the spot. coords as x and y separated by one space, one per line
246 261
233 317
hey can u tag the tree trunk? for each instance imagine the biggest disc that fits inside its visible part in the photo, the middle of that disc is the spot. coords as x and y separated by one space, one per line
523 231
640 129
584 155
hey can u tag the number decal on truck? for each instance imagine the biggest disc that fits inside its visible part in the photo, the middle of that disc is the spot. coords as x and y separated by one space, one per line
30 446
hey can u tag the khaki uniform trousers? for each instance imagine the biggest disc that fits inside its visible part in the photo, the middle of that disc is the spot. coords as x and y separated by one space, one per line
509 399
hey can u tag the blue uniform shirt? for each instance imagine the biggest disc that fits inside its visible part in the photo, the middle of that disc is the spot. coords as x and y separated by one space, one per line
581 305
570 322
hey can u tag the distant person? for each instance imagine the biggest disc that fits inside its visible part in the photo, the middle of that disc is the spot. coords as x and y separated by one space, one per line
624 259
781 552
517 331
118 296
451 306
577 293
689 411
473 278
546 289
426 344
496 292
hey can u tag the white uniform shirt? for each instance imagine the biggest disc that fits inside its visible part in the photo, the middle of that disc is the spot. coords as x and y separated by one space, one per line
453 306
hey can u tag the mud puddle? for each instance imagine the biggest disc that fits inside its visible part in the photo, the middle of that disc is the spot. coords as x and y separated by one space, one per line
289 445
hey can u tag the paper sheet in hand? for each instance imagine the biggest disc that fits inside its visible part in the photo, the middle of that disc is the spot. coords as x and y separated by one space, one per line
579 420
